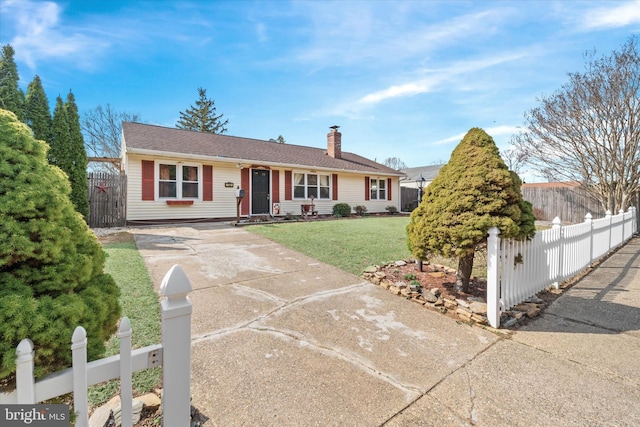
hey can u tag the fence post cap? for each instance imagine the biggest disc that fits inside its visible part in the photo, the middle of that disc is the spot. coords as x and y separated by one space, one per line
607 213
79 335
588 217
494 231
557 222
621 211
125 327
24 348
175 282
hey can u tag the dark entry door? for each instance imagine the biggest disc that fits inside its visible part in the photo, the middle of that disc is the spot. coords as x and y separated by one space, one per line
259 192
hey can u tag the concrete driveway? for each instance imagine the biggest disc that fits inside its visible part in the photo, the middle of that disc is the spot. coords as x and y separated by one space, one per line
281 339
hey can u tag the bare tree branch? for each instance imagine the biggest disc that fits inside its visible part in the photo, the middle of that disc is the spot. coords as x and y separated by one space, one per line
589 130
102 130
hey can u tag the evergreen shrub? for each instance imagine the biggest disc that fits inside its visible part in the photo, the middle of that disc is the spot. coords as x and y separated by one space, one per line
341 210
51 265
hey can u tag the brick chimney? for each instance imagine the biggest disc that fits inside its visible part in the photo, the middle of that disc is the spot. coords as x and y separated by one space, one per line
334 143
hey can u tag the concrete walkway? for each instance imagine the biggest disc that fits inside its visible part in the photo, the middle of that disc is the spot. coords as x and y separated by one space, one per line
280 339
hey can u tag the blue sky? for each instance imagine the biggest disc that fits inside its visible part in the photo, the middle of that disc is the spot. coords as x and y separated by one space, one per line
403 79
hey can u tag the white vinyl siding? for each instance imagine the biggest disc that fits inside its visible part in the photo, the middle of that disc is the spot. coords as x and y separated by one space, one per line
350 190
222 206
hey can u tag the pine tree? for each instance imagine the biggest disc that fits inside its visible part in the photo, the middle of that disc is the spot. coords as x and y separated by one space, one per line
473 192
77 171
11 96
202 117
37 114
51 264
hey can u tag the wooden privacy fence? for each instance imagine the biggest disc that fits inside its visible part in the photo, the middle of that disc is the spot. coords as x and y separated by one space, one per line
107 200
173 354
517 270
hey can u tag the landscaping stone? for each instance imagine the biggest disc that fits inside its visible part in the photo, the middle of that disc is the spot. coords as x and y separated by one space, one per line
478 307
510 322
430 297
371 269
101 417
462 303
450 304
469 309
150 400
535 300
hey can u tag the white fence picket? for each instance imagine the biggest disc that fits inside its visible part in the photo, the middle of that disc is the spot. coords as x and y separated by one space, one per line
174 355
79 350
126 386
552 256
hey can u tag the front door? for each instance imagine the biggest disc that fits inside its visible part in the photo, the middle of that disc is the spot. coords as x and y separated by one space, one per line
260 192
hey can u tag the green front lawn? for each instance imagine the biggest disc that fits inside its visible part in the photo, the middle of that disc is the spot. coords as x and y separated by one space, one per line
350 244
353 244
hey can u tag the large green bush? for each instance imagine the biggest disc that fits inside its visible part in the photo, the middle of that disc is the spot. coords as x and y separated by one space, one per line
341 210
473 192
51 265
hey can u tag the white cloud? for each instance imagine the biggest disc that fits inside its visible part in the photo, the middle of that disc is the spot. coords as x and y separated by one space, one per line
620 15
449 140
39 35
494 132
503 130
261 32
436 78
408 89
378 33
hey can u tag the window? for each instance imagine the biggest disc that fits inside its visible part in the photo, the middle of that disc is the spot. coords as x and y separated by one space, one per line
307 185
378 189
178 181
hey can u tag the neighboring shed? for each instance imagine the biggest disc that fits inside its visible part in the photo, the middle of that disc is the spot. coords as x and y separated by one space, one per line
176 174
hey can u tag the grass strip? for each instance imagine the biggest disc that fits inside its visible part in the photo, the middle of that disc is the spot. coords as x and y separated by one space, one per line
140 304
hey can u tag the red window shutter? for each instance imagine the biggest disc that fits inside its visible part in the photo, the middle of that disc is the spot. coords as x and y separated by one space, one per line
388 188
148 171
334 189
244 184
275 190
207 183
287 185
367 193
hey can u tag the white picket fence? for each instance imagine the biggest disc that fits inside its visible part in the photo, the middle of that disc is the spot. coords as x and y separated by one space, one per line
173 354
517 270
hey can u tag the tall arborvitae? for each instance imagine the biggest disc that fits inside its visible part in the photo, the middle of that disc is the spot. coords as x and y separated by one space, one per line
59 152
77 171
37 114
11 96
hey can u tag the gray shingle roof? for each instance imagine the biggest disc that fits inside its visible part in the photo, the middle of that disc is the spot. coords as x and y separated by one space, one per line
429 173
139 136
